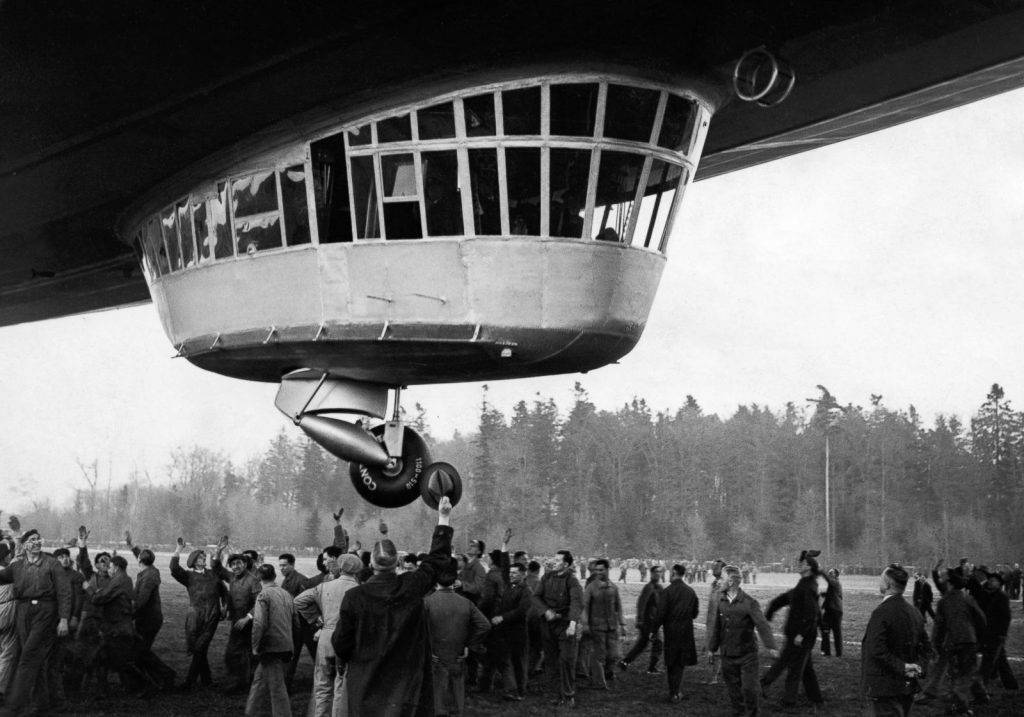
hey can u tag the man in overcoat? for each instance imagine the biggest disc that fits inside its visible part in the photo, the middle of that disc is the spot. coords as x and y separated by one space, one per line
381 636
676 616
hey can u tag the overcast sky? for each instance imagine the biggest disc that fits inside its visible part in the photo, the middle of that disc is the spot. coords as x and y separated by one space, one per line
888 264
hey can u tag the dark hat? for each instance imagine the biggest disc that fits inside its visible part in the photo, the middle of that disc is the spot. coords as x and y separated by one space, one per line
809 557
384 555
956 577
191 562
28 534
240 556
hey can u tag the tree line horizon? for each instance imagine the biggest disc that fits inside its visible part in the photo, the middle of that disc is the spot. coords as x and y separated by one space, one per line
629 482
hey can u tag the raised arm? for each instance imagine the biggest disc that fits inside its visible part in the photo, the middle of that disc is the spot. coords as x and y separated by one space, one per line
177 572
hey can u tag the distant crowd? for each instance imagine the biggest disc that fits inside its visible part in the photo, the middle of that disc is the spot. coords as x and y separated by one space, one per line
395 632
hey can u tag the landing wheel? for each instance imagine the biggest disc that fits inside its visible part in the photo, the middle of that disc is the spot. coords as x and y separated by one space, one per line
439 480
397 484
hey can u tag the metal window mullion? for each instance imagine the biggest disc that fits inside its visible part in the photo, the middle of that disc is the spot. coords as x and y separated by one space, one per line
676 201
503 191
659 118
545 191
466 192
657 205
602 105
229 214
588 214
637 198
417 163
353 214
378 182
192 230
499 114
311 217
545 109
280 207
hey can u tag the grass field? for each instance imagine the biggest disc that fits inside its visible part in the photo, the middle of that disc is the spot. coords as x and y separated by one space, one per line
632 693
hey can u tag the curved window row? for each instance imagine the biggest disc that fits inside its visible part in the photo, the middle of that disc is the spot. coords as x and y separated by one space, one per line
596 160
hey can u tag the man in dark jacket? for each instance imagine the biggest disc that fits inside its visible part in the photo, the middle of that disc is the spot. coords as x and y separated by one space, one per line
510 632
832 614
959 626
43 592
648 606
495 584
734 618
243 587
560 597
801 630
148 614
381 637
676 616
993 646
894 648
923 596
455 627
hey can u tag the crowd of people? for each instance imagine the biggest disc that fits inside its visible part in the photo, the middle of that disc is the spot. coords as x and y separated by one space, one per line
403 633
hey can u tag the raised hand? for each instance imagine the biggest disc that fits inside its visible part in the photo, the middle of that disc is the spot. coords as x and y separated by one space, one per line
337 516
128 538
444 506
14 523
508 535
383 528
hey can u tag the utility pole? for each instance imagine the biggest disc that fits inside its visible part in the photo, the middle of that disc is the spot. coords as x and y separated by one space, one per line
832 409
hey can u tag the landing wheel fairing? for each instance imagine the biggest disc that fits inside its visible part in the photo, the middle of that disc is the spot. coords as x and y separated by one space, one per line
397 484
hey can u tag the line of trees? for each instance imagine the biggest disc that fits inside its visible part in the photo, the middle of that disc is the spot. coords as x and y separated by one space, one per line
628 482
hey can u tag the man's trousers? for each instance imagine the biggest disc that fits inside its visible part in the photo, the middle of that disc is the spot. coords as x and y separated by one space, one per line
449 683
268 694
37 633
604 653
796 661
832 622
560 652
642 639
238 658
740 675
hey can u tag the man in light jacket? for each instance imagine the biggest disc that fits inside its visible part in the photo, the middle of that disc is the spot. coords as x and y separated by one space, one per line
271 647
320 607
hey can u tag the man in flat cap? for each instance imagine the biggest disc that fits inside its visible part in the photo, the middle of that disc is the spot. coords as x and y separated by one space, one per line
205 591
243 587
801 631
320 607
381 638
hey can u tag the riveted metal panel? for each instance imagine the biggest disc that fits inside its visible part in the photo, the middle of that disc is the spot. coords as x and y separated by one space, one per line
274 289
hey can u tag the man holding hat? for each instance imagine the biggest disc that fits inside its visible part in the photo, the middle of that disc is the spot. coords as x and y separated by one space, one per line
381 638
243 587
801 631
205 591
894 648
320 607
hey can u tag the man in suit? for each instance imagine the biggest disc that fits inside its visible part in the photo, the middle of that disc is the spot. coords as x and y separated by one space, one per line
894 648
647 607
